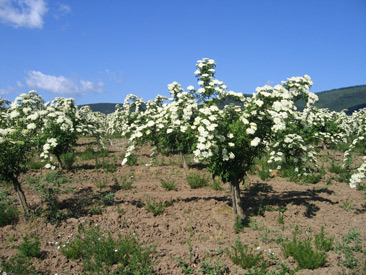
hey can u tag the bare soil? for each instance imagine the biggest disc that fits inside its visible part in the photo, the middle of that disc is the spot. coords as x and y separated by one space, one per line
197 219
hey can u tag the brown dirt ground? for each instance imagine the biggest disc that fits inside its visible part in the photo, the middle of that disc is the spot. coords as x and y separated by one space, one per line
201 217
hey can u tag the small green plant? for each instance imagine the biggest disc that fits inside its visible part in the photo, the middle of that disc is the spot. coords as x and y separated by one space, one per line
18 265
280 218
21 262
155 207
337 169
218 268
322 242
8 213
264 172
196 180
347 205
49 187
168 184
217 185
238 225
30 248
303 253
89 153
125 184
68 159
36 165
350 243
108 198
131 159
361 187
108 167
99 253
244 257
186 267
95 209
260 208
102 183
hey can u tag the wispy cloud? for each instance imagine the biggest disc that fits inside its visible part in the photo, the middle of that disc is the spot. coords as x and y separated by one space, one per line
23 13
62 10
62 85
115 76
4 92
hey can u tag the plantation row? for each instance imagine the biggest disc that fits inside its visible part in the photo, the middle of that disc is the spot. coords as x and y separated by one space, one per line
221 128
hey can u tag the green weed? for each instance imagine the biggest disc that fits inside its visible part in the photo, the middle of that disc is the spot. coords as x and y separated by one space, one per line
196 180
168 184
303 253
244 257
100 253
155 207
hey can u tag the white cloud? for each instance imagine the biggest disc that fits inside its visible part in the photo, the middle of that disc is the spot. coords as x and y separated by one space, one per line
62 85
115 76
23 13
3 92
62 10
88 86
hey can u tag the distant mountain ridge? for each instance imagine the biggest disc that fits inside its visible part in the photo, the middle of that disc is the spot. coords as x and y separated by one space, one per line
351 98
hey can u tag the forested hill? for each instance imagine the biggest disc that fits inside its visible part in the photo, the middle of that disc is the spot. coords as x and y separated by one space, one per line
351 98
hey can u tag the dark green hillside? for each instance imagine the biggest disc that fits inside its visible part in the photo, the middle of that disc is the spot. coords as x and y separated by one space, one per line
105 108
352 98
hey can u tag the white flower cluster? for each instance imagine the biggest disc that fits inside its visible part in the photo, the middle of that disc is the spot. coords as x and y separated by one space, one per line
347 154
356 178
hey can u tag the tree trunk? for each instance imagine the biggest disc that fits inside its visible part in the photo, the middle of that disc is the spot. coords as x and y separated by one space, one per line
59 161
20 195
235 194
184 162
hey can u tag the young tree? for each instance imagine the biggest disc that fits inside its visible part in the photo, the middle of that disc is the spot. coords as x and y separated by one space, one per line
18 126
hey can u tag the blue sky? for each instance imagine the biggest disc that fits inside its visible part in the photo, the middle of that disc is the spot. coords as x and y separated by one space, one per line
100 51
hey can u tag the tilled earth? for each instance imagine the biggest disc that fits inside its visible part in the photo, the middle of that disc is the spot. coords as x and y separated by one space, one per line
196 221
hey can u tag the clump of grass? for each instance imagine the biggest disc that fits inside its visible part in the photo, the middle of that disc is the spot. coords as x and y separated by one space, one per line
49 187
30 248
18 265
280 218
168 184
323 242
21 262
89 153
337 169
155 207
196 180
351 242
68 159
244 257
303 253
264 172
238 225
186 267
8 213
125 183
36 165
131 159
100 253
95 209
218 268
101 183
108 167
108 198
217 185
